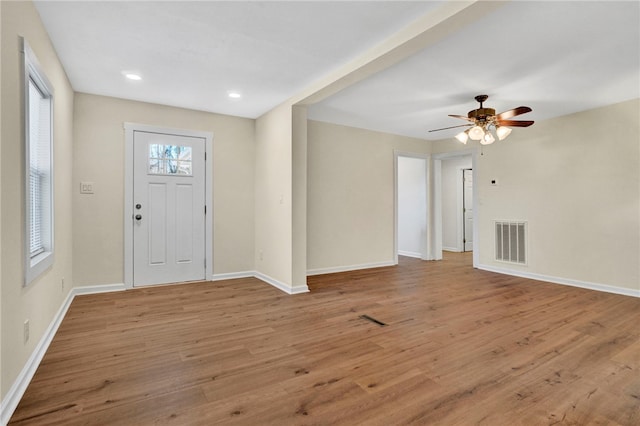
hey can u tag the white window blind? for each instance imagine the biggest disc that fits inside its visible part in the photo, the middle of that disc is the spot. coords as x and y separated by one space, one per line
38 148
39 159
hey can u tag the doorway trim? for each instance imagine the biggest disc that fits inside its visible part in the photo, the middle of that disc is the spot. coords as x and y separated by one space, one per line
459 245
462 223
426 253
129 129
437 200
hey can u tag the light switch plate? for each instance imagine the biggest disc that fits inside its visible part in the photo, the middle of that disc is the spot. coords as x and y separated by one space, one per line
86 187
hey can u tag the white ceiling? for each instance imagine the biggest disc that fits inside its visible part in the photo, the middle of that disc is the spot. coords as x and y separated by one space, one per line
190 54
556 57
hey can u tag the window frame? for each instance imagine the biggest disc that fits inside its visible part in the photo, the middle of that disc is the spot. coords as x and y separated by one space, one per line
35 265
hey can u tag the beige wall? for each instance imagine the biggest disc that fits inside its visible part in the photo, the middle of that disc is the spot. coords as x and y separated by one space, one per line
299 191
451 145
273 203
350 199
576 180
42 298
98 246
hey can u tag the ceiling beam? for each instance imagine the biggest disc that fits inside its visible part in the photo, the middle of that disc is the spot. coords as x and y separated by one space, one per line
423 32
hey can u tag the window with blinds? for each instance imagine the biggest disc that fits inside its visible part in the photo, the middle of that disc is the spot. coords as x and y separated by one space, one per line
39 161
38 168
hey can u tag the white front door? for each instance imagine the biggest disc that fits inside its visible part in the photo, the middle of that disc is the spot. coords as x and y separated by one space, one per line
467 191
168 208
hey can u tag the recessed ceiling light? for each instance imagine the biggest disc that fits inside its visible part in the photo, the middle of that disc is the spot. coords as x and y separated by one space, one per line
132 76
234 95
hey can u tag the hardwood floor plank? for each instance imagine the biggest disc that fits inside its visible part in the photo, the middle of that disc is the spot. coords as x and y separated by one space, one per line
460 346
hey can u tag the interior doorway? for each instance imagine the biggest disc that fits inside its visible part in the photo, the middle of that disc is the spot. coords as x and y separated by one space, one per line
456 206
467 209
411 216
448 203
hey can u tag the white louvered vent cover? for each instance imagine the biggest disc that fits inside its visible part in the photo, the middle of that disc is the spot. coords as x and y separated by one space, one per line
511 242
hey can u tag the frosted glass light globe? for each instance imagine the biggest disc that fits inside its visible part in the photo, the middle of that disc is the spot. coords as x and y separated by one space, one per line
476 133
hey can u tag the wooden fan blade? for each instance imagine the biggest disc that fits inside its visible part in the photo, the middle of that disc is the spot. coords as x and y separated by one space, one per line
452 127
513 112
464 117
514 123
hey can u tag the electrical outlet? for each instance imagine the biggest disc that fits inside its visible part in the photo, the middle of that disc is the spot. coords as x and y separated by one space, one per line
26 331
86 187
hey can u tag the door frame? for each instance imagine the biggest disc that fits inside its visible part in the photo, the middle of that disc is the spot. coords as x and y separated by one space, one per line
130 129
461 212
459 220
437 199
426 252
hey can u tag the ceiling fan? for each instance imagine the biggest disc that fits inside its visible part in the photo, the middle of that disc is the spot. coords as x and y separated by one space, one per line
483 120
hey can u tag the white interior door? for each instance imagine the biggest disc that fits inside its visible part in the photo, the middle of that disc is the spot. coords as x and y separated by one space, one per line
169 208
467 200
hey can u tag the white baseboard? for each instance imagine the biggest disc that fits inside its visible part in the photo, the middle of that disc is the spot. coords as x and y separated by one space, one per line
453 249
262 277
11 400
95 289
232 275
280 285
17 390
410 254
564 281
347 268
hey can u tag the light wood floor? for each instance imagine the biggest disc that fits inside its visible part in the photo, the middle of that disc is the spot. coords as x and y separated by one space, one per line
461 347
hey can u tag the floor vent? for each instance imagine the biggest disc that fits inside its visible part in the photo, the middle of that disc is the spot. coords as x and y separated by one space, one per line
511 242
367 317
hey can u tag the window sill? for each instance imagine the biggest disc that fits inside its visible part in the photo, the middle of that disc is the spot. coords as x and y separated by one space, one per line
38 265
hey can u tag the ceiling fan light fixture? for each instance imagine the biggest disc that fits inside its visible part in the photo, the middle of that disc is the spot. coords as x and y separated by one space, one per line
502 132
463 136
476 133
487 139
486 125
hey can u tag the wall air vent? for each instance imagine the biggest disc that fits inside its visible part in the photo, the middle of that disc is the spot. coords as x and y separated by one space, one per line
511 242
